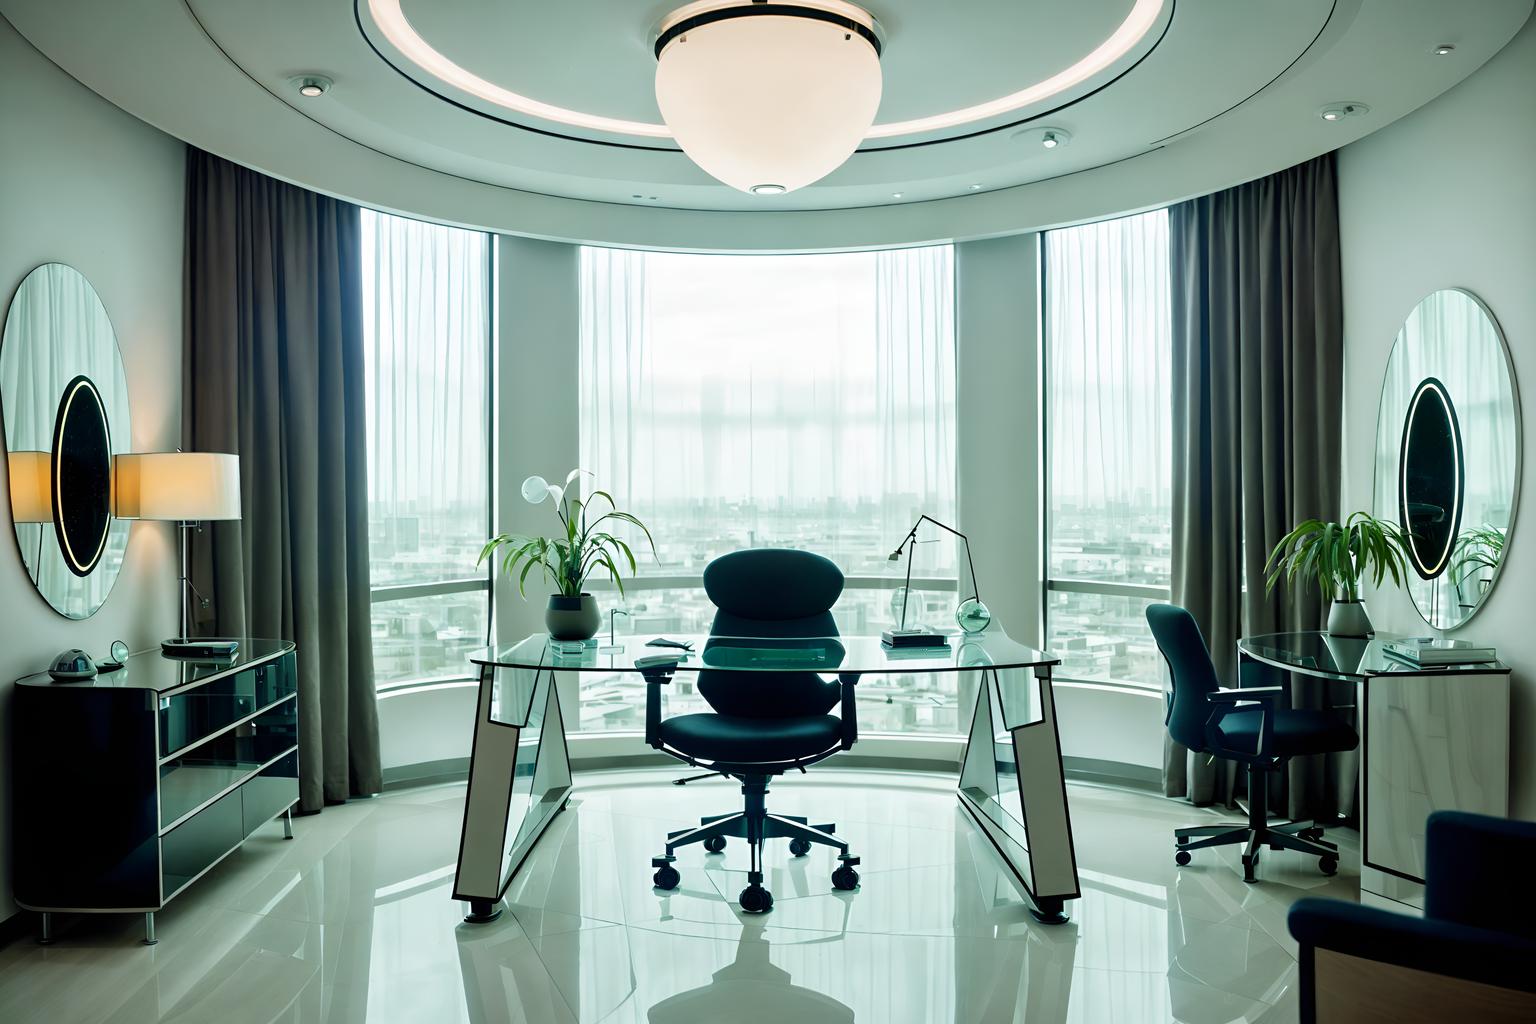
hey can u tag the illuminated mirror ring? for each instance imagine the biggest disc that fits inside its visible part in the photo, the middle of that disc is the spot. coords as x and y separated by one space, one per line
1448 453
81 476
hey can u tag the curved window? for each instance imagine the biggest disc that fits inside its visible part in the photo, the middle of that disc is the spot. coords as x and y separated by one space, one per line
1109 423
427 330
774 401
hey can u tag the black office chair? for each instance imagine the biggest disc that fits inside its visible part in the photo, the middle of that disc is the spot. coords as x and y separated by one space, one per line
1211 720
763 723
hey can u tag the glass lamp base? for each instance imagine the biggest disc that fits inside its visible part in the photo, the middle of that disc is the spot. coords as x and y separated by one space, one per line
972 616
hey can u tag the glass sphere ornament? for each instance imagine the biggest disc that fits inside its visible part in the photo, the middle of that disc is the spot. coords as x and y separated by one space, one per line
972 616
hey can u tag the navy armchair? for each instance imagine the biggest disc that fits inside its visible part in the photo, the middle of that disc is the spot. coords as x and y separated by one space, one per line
1471 957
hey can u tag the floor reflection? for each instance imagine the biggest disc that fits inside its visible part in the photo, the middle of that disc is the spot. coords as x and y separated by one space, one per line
354 921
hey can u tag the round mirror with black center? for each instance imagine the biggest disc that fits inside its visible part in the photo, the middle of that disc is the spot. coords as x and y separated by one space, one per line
1448 453
65 401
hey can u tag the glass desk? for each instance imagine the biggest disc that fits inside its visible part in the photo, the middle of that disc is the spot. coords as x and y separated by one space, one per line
1010 779
1431 738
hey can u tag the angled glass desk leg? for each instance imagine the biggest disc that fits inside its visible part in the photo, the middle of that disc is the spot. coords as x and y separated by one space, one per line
1013 787
519 778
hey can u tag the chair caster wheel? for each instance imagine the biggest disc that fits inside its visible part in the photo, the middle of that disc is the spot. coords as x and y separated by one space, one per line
799 847
1181 858
1248 875
1328 865
754 899
714 844
666 877
1313 834
845 879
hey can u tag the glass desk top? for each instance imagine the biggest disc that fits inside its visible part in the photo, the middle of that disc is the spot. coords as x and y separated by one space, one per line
855 655
1345 658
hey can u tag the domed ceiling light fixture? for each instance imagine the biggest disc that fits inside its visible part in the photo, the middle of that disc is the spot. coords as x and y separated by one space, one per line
768 97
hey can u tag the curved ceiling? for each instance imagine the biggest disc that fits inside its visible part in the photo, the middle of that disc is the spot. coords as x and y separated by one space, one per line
1210 93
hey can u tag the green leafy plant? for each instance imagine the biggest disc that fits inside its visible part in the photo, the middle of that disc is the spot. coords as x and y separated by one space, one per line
581 549
1337 556
1478 549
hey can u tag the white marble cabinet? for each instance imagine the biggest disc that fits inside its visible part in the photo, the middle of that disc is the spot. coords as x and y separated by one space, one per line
1431 739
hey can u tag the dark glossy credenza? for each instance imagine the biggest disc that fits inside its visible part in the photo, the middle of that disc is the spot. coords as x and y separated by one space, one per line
129 786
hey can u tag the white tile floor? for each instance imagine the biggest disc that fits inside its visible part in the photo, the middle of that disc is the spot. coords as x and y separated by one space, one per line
353 921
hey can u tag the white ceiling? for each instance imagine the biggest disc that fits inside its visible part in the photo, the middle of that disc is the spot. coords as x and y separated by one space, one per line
1219 91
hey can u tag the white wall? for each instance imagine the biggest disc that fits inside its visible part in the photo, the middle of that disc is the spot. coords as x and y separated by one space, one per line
83 183
1447 197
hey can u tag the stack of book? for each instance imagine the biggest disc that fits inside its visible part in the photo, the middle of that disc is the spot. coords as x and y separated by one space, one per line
1427 652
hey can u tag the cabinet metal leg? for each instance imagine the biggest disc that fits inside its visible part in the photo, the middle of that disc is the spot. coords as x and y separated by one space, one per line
46 938
288 823
149 930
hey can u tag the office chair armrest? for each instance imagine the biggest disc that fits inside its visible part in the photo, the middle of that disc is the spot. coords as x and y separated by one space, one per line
656 676
850 734
1228 701
1265 694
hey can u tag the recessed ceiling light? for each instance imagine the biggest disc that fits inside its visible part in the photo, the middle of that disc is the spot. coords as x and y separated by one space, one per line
310 86
1339 111
768 190
897 195
975 188
1443 49
1045 137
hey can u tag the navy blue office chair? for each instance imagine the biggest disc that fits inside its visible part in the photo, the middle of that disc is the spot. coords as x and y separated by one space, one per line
1226 723
764 723
1468 958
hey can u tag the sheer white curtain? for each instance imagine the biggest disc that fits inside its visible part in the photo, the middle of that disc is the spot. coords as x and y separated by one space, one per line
426 318
801 401
1108 397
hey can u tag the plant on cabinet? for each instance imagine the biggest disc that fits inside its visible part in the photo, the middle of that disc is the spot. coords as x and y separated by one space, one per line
1337 556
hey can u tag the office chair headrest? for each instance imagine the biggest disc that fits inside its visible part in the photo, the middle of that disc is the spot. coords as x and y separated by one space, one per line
773 583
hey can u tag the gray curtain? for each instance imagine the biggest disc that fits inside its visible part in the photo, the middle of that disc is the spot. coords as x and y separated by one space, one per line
273 371
1258 369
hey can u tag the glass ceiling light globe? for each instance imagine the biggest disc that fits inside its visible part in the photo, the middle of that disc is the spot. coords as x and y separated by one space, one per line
768 98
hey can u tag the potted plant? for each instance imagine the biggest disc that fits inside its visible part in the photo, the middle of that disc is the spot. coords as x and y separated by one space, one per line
1477 554
566 561
1338 556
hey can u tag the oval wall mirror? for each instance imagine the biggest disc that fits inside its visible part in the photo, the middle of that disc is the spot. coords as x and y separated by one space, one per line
65 402
1448 453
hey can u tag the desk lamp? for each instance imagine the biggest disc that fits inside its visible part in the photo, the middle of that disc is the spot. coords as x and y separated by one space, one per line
186 488
971 615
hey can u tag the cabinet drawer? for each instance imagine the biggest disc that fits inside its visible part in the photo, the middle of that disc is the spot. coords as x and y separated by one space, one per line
200 773
188 717
270 793
199 841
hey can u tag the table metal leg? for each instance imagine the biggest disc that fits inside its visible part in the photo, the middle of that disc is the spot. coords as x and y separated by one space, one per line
149 930
288 823
1035 842
519 779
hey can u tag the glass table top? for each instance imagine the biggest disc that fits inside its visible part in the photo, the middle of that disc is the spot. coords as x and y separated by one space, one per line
1319 654
844 654
153 670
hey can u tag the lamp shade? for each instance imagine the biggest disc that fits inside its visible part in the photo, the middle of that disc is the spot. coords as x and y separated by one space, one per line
31 490
768 98
189 486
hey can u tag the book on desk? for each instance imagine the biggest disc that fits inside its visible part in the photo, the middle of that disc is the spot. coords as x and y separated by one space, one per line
1436 651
